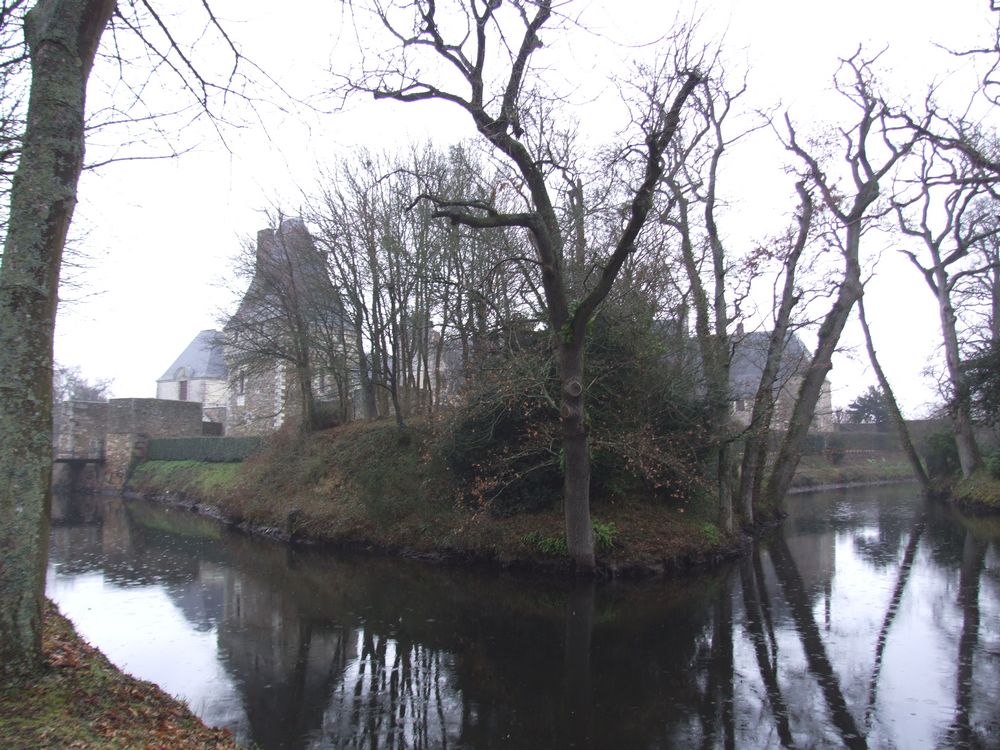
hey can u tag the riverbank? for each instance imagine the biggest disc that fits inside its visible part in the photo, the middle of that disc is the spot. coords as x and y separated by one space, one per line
380 488
374 486
978 493
818 472
83 701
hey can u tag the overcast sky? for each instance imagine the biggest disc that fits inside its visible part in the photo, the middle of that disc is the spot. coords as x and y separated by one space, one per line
157 237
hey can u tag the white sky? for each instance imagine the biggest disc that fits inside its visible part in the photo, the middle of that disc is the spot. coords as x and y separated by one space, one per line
159 234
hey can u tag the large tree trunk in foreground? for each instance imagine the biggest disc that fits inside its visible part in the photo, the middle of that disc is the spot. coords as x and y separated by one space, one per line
62 36
576 454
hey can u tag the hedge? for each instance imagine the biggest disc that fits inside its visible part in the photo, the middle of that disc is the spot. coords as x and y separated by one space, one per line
208 449
816 443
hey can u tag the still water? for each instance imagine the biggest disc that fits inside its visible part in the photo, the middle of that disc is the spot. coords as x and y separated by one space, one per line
871 619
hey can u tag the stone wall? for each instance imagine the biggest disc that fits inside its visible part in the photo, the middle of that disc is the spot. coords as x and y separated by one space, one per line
132 421
79 428
258 403
121 452
154 417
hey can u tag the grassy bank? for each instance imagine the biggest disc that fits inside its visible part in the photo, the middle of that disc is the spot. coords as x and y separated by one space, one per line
818 471
376 486
981 491
82 701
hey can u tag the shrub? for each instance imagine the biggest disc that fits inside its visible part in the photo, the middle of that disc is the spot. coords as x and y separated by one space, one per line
646 423
835 450
605 535
605 540
550 546
993 463
711 534
501 447
941 455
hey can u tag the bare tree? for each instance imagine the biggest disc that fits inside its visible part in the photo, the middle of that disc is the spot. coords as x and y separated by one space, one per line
944 214
757 436
469 40
963 134
694 212
13 95
872 147
892 406
69 384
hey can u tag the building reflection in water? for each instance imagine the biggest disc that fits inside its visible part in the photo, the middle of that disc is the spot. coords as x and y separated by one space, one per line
809 640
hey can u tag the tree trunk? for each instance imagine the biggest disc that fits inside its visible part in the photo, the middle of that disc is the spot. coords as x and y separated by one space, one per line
62 36
894 413
961 417
849 292
307 397
755 449
713 346
576 455
370 410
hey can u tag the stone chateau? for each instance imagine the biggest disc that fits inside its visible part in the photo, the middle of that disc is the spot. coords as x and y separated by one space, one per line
248 376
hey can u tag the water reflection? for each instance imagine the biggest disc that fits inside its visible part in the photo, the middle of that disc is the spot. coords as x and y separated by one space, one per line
873 620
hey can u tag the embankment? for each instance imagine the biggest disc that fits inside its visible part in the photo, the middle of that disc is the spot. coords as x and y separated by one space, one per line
375 486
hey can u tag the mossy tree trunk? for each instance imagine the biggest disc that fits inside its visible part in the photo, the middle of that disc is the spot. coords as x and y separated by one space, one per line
62 38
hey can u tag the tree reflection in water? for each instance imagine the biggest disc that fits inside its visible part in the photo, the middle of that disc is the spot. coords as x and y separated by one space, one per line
341 652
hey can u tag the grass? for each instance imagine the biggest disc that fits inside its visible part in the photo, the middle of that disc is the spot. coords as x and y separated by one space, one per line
81 700
195 478
816 471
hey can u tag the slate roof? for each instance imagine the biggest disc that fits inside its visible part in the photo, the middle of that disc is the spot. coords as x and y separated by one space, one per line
750 354
202 359
287 258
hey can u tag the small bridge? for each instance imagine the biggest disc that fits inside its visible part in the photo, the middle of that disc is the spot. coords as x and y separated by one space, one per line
82 457
79 429
111 435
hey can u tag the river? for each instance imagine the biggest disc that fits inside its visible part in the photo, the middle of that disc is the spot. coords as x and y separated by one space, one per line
869 619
